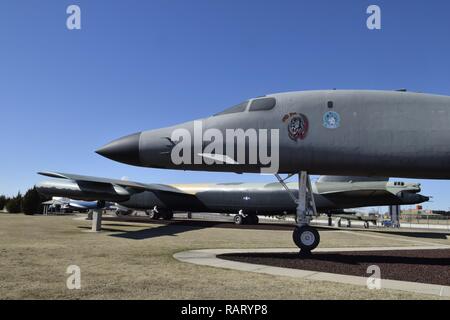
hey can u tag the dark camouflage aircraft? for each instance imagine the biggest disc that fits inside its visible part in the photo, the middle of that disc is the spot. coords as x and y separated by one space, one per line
246 200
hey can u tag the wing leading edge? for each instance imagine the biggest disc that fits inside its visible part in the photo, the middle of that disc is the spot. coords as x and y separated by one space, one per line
135 186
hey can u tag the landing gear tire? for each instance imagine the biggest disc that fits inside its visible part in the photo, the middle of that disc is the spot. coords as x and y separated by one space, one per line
239 219
306 238
167 215
252 220
152 214
248 220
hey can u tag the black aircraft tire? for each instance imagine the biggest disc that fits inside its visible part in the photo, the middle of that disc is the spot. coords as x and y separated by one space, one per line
252 220
248 220
167 215
306 238
238 219
152 214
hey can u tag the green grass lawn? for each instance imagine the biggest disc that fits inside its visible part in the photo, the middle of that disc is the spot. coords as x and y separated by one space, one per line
134 261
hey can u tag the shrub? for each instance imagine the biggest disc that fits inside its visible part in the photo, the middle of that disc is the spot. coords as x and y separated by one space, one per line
14 205
31 202
3 201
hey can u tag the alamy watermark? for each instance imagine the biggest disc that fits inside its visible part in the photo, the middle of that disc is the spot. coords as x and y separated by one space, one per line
373 282
374 20
73 21
73 281
236 147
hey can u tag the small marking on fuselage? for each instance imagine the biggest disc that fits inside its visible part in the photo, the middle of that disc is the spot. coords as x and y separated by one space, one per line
331 120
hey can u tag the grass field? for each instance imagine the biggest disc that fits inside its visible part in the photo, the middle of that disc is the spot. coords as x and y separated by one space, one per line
134 261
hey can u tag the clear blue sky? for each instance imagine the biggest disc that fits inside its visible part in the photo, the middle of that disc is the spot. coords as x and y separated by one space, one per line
139 65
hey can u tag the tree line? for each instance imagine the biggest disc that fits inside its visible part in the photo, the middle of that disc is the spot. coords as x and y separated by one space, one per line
30 203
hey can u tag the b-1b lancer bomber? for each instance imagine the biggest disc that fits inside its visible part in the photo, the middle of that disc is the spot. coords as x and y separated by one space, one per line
332 132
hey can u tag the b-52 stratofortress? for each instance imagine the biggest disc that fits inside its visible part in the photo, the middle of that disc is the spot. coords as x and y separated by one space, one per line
246 200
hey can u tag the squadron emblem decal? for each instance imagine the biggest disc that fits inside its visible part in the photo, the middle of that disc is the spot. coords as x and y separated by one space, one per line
331 120
297 124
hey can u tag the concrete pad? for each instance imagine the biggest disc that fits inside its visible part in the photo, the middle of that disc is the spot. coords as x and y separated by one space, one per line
277 271
340 278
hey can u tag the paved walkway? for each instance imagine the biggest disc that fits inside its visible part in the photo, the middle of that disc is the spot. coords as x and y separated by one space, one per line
208 257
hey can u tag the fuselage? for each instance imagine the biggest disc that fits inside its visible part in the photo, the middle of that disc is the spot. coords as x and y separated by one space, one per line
333 132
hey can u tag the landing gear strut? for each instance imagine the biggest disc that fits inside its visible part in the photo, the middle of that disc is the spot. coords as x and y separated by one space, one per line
156 214
153 214
305 237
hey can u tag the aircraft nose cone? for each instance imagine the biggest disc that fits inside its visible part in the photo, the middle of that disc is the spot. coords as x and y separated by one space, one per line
125 150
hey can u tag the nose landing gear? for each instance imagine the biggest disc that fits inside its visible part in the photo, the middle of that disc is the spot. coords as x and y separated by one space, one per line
305 237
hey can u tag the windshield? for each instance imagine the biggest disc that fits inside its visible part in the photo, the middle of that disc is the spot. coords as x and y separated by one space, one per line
263 104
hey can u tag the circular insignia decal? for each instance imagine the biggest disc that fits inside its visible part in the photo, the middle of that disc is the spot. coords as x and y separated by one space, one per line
297 125
331 120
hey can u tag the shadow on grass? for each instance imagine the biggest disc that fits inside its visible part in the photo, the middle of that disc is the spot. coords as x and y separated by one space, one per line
174 227
160 231
418 234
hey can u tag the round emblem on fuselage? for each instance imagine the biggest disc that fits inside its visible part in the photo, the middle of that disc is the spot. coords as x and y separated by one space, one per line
297 125
331 120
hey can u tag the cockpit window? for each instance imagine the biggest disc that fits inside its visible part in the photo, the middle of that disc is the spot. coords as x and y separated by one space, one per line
235 109
263 104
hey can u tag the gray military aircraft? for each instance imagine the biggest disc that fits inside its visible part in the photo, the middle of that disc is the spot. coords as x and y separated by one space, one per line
333 132
366 218
66 205
246 200
63 204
